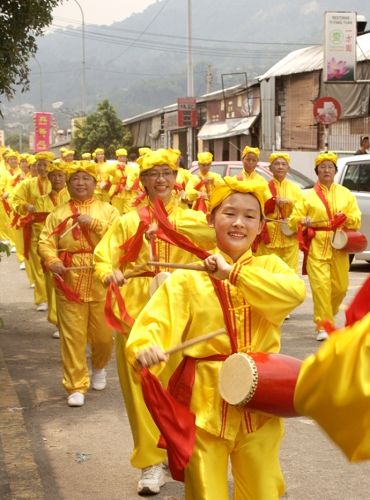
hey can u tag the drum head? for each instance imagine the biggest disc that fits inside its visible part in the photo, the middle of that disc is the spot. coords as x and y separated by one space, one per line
285 229
157 280
339 240
238 378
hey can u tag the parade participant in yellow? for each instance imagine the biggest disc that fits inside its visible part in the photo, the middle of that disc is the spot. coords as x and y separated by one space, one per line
250 157
9 179
23 202
67 241
68 156
248 296
43 206
326 207
157 174
282 195
199 189
122 178
182 178
103 183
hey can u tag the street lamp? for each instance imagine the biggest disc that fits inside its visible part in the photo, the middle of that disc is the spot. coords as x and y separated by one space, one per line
83 81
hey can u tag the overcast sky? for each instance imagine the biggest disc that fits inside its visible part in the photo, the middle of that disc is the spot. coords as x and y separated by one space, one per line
97 11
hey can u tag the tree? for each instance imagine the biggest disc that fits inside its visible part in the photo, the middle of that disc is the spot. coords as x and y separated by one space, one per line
20 25
102 129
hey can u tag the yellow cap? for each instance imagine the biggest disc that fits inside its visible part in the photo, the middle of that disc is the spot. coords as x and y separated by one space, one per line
67 152
56 165
86 156
121 152
45 155
205 158
233 185
276 155
329 156
89 167
11 154
157 158
144 151
248 149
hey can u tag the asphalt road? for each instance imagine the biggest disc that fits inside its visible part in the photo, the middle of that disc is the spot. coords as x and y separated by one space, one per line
53 452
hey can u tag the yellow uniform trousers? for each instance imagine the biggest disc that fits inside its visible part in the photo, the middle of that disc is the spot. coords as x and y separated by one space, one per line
74 321
254 459
329 283
38 276
144 431
52 304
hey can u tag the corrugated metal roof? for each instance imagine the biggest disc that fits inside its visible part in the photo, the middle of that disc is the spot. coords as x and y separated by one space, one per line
228 128
311 59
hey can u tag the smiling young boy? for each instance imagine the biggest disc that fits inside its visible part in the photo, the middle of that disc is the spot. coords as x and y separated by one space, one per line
250 297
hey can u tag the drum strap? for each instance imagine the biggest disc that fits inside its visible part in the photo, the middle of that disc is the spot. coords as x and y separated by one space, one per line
321 195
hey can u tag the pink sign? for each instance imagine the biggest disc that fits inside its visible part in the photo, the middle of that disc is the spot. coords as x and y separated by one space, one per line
42 123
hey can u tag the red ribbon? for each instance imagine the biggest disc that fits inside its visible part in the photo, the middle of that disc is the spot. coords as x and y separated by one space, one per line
67 291
200 205
113 291
26 224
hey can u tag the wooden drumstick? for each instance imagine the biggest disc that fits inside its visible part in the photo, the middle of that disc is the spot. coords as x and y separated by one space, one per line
69 229
192 267
196 340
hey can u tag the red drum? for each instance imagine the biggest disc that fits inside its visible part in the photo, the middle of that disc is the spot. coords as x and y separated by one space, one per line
350 241
263 382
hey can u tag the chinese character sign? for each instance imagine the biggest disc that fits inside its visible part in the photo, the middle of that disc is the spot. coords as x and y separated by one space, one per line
42 123
340 47
187 112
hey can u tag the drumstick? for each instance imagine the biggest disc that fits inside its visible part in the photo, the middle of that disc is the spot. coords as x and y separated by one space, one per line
196 340
69 229
192 267
75 268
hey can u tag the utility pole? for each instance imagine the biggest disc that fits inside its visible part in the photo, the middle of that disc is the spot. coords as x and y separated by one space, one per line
209 79
83 78
190 81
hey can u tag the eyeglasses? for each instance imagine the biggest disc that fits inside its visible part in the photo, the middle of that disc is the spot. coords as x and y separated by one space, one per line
156 174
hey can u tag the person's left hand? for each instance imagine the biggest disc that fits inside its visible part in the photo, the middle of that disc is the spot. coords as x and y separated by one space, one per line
217 266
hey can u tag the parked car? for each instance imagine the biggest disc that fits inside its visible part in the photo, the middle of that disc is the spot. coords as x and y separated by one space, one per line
354 174
234 167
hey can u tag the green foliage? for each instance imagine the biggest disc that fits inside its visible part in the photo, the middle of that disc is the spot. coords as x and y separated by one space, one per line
4 248
102 129
20 24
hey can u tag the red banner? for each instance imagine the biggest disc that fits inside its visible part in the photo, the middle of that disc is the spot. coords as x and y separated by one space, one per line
186 112
42 123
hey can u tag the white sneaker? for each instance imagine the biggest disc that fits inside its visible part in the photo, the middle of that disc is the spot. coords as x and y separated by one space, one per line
56 335
152 478
76 399
99 379
321 335
42 307
287 316
32 285
22 266
13 250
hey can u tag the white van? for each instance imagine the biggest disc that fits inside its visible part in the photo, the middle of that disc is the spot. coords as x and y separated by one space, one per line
354 174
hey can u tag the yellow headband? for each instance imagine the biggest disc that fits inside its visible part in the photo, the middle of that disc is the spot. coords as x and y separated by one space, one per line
329 156
11 154
275 156
144 151
232 185
205 158
86 156
45 155
68 152
248 149
86 166
56 166
157 158
121 152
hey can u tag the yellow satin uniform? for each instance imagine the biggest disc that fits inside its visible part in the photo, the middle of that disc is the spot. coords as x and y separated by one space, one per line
83 322
261 291
121 193
327 268
202 184
48 203
26 193
333 389
286 247
136 294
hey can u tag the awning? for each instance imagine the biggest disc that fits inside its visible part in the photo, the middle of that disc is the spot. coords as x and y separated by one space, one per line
228 128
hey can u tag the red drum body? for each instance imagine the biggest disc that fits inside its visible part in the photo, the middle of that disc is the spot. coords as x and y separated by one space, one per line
263 382
349 241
